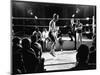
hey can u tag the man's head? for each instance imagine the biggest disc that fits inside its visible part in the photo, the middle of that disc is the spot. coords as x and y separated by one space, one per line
16 40
83 53
55 17
26 43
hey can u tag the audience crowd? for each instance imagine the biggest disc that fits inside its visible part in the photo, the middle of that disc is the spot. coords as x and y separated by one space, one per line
26 55
27 52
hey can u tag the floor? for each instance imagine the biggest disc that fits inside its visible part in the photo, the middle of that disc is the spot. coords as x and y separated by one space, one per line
65 59
62 60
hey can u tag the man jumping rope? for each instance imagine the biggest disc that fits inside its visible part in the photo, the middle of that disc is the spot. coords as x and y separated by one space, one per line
53 32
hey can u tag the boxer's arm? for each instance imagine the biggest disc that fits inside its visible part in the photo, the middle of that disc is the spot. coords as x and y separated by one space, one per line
50 25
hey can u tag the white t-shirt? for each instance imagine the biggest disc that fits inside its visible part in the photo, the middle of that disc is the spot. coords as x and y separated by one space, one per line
45 35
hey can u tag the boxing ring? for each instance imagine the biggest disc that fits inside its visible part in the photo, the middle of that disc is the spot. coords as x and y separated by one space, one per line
65 59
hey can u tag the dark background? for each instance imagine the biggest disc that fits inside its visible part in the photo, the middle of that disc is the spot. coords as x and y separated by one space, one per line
46 10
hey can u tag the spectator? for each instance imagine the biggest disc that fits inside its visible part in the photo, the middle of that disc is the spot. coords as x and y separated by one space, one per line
38 36
18 66
82 58
37 33
36 46
92 55
16 44
45 39
92 58
38 50
31 62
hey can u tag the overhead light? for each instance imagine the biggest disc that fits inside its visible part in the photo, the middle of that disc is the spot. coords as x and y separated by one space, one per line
31 13
73 15
36 17
87 24
87 18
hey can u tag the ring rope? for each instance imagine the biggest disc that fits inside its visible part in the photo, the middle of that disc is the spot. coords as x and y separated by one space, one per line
50 18
44 26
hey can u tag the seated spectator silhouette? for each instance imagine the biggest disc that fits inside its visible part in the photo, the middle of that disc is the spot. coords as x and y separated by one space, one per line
92 59
38 50
93 47
17 61
82 58
92 55
31 62
36 46
16 44
37 33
